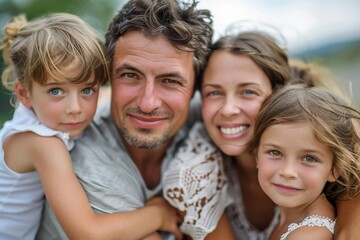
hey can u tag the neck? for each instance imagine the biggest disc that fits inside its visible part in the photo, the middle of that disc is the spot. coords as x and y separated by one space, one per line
246 165
320 206
148 162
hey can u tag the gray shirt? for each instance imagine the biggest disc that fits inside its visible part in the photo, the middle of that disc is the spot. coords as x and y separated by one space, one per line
110 178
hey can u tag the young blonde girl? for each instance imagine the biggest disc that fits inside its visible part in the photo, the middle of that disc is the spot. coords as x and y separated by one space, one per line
56 65
306 148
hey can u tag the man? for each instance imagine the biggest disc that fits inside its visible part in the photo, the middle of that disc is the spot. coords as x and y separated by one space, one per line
157 49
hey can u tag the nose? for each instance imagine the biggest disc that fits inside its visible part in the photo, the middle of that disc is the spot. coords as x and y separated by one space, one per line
230 107
73 104
149 99
288 169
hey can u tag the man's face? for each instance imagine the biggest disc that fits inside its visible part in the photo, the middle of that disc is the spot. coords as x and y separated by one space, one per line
152 85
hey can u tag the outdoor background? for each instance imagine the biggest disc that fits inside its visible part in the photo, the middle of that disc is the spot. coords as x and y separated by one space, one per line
324 31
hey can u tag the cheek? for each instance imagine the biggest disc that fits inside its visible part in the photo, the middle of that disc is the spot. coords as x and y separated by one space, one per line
265 167
120 94
90 108
253 109
209 110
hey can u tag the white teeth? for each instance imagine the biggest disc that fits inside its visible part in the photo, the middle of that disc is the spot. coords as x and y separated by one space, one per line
234 130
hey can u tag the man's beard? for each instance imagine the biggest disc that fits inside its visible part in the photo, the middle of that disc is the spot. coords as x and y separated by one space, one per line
143 141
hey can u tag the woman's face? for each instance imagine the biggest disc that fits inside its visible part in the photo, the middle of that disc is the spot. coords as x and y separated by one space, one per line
233 90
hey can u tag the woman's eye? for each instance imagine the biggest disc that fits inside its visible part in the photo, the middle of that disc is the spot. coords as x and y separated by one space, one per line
248 92
214 93
55 91
87 91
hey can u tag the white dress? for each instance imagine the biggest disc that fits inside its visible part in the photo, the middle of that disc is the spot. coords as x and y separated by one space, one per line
195 182
311 221
21 194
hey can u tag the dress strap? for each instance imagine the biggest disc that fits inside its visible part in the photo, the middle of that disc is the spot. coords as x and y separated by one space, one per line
311 221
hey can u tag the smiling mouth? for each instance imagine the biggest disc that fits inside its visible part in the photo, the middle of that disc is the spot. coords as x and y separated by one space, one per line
233 130
286 188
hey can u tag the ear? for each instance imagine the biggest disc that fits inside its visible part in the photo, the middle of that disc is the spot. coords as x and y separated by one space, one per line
22 94
333 176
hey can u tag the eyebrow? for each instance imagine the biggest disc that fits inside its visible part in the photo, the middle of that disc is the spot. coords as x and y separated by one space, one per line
126 66
310 151
216 85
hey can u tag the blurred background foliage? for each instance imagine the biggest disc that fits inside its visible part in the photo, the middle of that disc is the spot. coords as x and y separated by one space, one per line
341 57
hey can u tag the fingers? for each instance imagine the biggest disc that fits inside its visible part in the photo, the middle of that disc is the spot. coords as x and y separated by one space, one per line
178 234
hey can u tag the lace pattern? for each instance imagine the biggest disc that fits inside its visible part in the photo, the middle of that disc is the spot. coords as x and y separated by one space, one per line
196 184
311 221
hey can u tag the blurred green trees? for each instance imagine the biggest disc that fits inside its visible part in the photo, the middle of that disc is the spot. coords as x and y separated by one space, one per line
97 13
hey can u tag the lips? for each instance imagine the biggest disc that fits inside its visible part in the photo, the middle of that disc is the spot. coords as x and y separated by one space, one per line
73 125
286 189
147 122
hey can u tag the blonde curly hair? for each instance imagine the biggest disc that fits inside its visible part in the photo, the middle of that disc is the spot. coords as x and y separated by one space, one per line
44 47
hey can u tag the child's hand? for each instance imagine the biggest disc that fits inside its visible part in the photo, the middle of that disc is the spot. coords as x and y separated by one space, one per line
169 217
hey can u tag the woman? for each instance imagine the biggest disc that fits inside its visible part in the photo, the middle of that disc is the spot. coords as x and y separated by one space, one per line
242 71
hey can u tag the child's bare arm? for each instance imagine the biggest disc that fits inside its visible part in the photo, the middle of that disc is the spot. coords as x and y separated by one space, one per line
222 231
71 207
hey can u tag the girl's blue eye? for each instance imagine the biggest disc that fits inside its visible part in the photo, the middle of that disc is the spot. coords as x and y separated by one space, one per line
87 91
309 159
274 153
55 91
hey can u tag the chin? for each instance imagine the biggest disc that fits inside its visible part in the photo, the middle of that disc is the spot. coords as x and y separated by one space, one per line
232 150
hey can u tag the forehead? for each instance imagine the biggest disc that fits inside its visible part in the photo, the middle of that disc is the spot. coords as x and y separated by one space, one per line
156 55
225 67
302 132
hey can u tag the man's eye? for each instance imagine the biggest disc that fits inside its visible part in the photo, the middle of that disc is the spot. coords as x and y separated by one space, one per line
55 91
171 81
129 75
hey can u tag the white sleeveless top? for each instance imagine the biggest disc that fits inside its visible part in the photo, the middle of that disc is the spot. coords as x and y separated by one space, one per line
21 194
311 221
195 182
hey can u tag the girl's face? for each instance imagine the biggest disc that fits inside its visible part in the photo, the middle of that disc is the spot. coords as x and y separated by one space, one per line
293 165
64 106
233 90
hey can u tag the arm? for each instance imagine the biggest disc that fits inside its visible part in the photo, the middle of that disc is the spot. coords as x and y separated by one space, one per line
348 219
222 231
69 202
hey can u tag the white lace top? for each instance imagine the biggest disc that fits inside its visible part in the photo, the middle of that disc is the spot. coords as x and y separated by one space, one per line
195 183
311 221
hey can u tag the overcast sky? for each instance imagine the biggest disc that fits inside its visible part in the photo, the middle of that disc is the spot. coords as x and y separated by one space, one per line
303 23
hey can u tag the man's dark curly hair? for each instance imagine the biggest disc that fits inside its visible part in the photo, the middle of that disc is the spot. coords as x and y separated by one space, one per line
181 23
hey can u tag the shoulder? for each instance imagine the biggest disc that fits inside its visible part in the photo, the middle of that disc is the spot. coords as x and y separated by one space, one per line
312 227
23 150
310 232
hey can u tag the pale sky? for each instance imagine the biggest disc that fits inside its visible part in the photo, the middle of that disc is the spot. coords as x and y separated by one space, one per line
303 23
